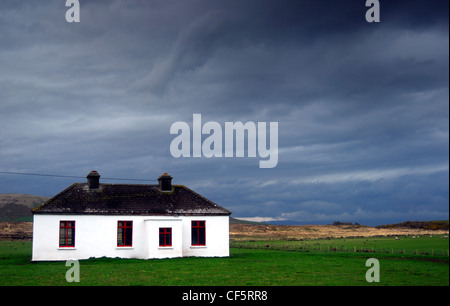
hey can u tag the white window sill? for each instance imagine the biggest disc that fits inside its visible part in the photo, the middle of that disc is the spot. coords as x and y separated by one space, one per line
198 246
124 248
67 248
165 248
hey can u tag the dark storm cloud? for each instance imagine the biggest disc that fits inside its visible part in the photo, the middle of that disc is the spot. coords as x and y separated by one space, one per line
362 107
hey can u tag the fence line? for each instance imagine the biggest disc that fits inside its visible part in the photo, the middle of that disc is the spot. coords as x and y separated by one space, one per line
335 249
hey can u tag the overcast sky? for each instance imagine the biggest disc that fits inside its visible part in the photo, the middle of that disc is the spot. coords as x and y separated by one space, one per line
362 108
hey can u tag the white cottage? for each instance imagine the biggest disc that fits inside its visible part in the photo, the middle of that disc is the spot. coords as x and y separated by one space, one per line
129 221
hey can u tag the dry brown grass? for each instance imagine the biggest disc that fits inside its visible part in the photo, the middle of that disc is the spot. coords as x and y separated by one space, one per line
297 232
16 230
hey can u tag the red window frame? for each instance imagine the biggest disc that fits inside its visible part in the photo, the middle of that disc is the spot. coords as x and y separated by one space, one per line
124 233
165 236
66 240
198 233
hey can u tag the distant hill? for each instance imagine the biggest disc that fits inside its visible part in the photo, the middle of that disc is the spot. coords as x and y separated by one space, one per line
427 225
17 207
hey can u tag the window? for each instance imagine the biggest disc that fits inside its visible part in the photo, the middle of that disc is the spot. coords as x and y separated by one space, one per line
66 234
198 233
165 236
124 233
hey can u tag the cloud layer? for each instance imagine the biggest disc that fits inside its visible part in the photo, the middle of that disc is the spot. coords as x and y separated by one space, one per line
362 107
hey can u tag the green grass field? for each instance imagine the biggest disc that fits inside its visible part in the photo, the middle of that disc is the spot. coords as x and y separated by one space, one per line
265 266
413 245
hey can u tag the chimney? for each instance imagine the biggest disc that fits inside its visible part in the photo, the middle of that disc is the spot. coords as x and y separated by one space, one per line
93 179
165 182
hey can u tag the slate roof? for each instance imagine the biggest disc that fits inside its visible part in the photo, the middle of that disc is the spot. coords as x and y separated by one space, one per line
129 199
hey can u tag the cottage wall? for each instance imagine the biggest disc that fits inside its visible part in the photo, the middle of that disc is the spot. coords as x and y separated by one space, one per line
152 225
217 237
96 236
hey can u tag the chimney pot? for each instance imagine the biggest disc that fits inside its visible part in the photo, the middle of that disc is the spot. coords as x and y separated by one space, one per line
165 182
93 179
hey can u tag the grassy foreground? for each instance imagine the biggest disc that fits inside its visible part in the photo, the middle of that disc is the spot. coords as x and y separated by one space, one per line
255 267
407 245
